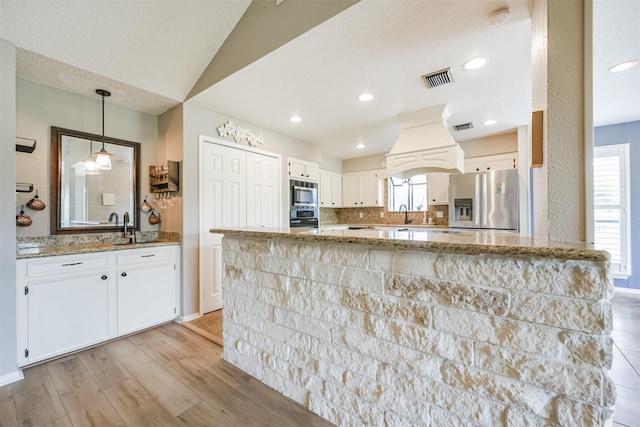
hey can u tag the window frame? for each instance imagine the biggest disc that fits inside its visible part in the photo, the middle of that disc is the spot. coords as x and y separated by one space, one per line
620 270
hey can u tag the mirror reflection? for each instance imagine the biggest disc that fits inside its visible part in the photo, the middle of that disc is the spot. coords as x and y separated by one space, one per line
90 197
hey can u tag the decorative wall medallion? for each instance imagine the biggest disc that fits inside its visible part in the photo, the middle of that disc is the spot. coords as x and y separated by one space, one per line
240 134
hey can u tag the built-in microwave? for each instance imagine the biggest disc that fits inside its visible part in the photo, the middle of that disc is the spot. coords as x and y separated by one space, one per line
304 194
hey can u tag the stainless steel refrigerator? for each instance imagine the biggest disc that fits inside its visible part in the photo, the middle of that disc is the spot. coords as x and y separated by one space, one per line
484 200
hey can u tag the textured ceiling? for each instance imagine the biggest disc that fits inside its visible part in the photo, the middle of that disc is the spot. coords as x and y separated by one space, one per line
155 49
616 39
151 53
383 47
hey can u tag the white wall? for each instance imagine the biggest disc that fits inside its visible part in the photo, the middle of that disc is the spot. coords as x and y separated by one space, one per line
199 121
40 107
8 341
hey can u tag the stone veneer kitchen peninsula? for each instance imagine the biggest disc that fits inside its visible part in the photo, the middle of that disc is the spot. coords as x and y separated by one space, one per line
399 328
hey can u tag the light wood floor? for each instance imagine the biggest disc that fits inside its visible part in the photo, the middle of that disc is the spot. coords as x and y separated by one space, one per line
166 376
209 326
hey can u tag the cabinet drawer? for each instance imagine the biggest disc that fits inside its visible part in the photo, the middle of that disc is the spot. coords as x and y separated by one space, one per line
145 255
66 265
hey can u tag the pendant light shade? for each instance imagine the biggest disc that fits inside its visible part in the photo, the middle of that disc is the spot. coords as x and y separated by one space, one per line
90 166
103 157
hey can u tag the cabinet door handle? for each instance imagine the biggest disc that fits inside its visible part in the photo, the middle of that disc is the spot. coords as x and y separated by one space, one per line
71 263
104 277
147 256
123 274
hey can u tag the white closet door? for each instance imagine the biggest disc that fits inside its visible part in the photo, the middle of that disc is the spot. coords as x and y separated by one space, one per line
262 191
224 202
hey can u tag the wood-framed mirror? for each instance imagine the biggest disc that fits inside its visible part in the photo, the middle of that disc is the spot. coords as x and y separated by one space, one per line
89 202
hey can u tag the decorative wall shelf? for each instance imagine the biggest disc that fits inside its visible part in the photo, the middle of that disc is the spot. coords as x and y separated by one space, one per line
164 178
24 187
25 148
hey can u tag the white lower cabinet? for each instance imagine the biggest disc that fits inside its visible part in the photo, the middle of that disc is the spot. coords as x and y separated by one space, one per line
69 302
145 289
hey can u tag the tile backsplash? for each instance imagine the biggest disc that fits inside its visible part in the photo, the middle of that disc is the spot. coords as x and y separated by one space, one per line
332 216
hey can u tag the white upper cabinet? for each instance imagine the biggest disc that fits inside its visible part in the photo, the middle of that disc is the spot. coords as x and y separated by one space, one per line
494 162
330 189
438 188
363 189
303 170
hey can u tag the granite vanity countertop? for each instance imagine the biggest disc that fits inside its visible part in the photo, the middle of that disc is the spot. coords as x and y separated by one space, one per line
70 244
38 251
433 239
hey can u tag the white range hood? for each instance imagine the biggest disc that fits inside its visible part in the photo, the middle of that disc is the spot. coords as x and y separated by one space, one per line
425 145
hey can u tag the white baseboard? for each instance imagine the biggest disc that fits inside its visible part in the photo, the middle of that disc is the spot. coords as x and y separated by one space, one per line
626 290
189 318
11 377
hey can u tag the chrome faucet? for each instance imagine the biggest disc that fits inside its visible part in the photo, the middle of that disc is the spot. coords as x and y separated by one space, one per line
131 234
112 215
406 213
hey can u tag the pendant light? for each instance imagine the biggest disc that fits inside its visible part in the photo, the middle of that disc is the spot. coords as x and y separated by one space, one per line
90 166
103 157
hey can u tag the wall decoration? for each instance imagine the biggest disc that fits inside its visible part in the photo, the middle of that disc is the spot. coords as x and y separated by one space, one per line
240 134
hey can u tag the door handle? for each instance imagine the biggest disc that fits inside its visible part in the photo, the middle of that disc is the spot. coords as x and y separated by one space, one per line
123 274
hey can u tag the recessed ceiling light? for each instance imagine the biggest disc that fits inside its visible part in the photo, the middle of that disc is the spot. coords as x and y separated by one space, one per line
475 63
624 66
365 97
295 119
360 145
489 122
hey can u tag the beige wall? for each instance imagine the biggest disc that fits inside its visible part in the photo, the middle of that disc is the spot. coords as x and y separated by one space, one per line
170 128
539 86
40 107
199 121
565 108
8 339
365 163
498 144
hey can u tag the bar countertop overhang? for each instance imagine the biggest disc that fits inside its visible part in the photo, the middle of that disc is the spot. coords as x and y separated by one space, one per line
458 241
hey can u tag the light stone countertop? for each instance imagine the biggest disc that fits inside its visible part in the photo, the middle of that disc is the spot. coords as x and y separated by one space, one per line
36 251
433 239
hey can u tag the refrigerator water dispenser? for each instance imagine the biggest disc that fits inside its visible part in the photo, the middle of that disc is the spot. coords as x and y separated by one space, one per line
463 209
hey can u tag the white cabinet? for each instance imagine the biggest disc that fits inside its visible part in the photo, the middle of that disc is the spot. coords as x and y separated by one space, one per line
330 189
438 188
494 162
303 170
145 288
362 189
69 302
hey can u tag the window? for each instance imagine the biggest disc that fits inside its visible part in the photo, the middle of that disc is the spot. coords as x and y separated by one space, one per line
611 204
410 192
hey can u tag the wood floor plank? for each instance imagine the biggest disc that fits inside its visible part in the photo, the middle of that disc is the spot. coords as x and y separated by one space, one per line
240 410
85 403
8 415
204 415
173 395
60 422
199 349
103 367
292 413
138 407
155 345
36 398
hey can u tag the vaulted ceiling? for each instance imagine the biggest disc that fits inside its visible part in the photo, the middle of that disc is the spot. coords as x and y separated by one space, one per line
151 56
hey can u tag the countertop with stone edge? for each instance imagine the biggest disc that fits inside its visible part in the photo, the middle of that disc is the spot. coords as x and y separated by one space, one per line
71 244
467 242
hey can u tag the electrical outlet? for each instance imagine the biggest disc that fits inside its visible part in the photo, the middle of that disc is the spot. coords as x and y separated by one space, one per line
439 214
361 215
381 214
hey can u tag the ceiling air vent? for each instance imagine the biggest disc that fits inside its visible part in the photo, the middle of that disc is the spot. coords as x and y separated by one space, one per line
463 126
439 78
